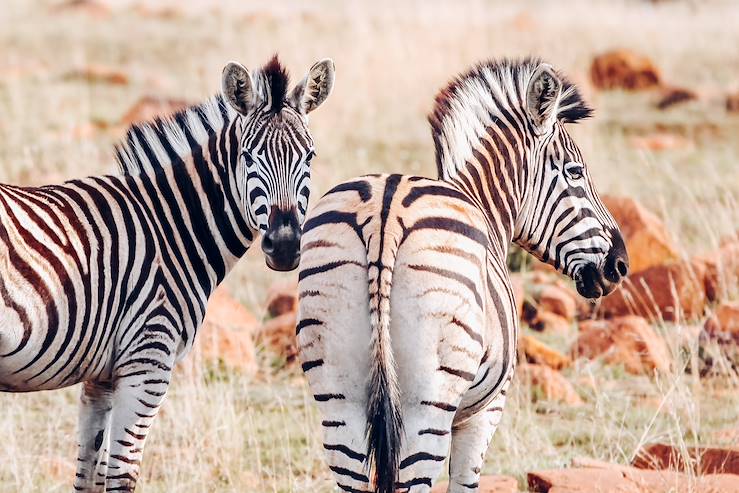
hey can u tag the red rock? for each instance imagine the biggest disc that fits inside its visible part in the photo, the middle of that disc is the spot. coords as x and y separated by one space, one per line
624 69
630 341
669 292
523 22
279 335
580 480
702 460
661 141
282 298
720 269
226 334
538 266
550 383
162 12
647 239
92 8
224 311
595 338
150 107
675 95
724 323
732 102
488 484
557 300
550 323
98 74
537 352
613 478
87 130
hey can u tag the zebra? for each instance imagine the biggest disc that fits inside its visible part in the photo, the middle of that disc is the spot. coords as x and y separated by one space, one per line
407 325
104 280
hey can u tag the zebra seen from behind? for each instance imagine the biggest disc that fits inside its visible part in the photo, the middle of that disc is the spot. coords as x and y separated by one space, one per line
105 280
416 368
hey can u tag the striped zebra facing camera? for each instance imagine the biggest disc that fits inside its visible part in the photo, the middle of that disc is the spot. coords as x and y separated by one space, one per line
104 280
407 326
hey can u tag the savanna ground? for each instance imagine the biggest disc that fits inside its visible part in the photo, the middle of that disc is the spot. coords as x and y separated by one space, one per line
226 432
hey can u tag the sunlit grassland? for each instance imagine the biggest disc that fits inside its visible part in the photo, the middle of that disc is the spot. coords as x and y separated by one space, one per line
227 432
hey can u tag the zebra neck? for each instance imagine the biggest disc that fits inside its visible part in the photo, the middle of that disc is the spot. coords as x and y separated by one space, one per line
492 177
190 163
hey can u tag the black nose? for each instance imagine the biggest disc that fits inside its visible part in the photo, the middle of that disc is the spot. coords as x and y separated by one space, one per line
281 241
616 266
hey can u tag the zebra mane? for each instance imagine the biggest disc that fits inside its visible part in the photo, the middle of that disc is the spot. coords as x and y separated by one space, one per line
472 100
275 79
154 145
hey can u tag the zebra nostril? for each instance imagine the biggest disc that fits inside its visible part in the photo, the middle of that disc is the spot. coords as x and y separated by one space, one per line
622 268
268 246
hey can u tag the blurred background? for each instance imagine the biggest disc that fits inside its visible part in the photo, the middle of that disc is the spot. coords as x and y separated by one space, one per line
663 77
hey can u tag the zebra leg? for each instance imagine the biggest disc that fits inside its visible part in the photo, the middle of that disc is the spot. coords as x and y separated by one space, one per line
425 447
345 444
470 441
141 381
94 417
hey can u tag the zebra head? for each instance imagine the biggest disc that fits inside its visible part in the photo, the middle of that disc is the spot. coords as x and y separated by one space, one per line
563 221
275 150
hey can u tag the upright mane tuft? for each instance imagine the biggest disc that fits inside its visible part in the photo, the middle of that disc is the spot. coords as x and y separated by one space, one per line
277 80
471 100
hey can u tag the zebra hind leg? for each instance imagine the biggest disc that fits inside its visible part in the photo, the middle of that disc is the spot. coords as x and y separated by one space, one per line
345 444
470 441
94 418
427 433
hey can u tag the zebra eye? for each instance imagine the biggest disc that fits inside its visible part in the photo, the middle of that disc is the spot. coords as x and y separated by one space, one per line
575 172
309 157
247 157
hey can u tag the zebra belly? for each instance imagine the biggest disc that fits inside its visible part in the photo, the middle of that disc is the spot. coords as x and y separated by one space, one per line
36 349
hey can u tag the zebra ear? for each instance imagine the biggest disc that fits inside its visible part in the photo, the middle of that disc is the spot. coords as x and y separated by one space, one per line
238 87
542 97
315 87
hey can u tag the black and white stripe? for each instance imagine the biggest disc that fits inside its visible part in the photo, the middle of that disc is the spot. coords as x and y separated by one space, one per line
105 280
416 369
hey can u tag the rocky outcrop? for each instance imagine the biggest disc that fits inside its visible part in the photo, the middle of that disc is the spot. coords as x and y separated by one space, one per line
488 484
624 69
537 352
551 385
647 239
629 341
670 292
698 460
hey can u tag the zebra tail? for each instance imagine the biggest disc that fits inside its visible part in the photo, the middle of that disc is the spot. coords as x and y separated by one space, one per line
384 419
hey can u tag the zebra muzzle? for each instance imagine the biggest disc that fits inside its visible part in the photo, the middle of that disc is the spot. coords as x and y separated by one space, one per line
281 241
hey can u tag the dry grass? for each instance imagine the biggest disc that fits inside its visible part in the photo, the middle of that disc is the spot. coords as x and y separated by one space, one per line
227 433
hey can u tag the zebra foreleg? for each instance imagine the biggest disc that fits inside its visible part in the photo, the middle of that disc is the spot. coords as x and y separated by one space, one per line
94 418
470 441
141 383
